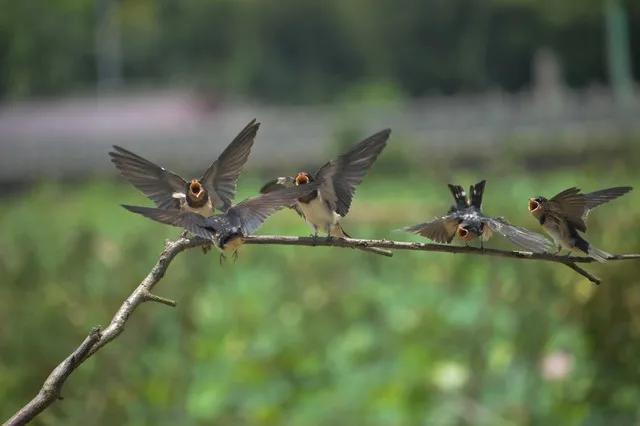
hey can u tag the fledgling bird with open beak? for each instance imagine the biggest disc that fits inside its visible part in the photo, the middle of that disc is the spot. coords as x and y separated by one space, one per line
228 229
337 180
563 215
466 221
213 191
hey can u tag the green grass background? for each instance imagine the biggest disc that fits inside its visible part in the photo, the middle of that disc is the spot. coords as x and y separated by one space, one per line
316 336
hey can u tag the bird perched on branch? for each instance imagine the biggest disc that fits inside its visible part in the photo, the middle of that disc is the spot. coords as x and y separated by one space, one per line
466 221
227 230
214 190
337 180
565 214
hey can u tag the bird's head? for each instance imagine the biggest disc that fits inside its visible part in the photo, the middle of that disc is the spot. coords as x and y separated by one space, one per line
536 205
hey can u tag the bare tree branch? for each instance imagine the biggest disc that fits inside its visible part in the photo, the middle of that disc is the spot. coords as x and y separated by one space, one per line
97 338
403 245
570 261
52 387
588 275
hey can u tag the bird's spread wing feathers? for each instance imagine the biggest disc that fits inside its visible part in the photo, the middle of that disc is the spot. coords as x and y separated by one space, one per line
159 184
596 198
571 205
221 178
440 230
575 206
519 236
338 178
251 213
281 183
278 183
192 222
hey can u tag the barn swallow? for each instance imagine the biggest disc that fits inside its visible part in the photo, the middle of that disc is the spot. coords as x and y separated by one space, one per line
466 221
227 230
337 180
565 214
214 190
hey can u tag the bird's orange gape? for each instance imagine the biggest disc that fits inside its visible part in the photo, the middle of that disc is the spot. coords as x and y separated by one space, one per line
196 189
302 178
464 234
533 205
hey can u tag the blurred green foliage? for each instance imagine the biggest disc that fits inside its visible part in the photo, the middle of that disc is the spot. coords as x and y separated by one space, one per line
305 50
318 335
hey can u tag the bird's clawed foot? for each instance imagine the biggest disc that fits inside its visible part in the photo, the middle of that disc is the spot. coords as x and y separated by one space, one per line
206 247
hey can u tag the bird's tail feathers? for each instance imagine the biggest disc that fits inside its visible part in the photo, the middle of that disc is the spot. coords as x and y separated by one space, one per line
599 255
475 193
458 195
594 252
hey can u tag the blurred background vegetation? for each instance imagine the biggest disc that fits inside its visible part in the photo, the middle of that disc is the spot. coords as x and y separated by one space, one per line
303 50
534 96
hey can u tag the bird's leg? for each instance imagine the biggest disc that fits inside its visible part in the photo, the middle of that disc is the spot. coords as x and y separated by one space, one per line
315 235
329 236
481 244
235 256
184 234
222 258
559 250
206 247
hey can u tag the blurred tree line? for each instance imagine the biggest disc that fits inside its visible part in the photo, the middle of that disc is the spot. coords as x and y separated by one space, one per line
301 50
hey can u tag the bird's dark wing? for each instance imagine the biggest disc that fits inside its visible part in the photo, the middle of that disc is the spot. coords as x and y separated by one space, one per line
440 230
221 178
278 183
339 178
251 213
157 183
281 183
571 205
192 222
519 236
594 199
